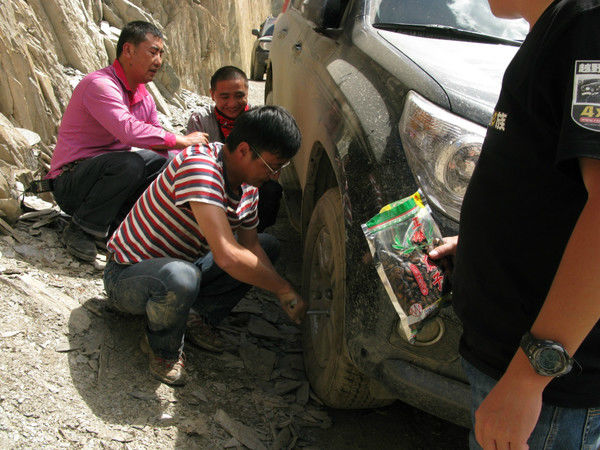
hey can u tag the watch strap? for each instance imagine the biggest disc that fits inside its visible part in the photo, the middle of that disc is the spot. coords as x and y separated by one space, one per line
531 346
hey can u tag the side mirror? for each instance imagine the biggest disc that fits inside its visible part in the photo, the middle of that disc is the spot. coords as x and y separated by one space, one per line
255 32
324 14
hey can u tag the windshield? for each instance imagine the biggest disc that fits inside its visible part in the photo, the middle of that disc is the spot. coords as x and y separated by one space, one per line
469 15
268 31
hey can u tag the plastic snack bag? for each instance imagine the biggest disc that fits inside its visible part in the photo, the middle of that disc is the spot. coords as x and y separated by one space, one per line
400 238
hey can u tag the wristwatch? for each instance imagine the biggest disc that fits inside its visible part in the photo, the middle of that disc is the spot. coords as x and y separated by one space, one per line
548 358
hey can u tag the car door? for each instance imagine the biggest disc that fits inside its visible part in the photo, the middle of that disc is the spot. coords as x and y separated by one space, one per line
313 49
287 76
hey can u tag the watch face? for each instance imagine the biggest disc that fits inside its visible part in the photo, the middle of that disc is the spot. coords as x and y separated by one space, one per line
549 360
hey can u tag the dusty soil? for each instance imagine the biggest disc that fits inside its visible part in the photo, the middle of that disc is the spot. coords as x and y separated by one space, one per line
73 374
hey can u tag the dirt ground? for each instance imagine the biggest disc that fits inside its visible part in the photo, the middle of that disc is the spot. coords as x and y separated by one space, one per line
72 373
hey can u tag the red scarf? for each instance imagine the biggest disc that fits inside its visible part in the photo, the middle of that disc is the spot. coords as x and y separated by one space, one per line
225 123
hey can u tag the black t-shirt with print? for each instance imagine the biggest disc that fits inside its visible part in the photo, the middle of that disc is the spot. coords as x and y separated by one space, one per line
526 194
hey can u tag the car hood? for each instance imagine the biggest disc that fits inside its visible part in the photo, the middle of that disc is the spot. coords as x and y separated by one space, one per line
469 72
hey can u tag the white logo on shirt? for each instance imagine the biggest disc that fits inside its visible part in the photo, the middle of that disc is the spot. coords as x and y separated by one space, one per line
498 121
585 105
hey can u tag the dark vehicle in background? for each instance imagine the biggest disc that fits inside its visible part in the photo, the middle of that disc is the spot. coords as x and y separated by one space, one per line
391 96
260 49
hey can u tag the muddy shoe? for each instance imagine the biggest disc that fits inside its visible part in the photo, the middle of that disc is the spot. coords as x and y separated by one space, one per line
168 371
101 244
79 243
203 335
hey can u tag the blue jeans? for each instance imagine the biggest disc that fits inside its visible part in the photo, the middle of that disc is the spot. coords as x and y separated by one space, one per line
557 428
164 290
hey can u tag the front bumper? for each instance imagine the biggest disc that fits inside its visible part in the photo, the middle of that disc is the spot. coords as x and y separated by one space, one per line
438 395
429 378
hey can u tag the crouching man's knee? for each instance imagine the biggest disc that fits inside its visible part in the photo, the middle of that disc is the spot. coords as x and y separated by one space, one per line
181 282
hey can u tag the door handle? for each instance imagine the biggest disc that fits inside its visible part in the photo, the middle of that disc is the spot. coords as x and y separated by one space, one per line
297 47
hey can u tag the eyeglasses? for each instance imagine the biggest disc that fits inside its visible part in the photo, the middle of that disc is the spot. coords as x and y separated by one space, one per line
273 171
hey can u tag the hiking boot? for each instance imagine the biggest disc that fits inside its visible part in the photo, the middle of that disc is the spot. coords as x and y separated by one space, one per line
79 243
203 335
168 371
101 243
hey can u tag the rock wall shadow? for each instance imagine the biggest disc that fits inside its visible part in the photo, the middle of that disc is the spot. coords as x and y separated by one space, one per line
107 367
111 375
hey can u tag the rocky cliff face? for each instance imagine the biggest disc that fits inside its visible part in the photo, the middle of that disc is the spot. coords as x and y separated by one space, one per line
43 41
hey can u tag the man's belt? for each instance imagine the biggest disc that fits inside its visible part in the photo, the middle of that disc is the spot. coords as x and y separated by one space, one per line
47 185
38 186
70 166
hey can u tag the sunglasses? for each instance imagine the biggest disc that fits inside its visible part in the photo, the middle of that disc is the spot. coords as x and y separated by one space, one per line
273 171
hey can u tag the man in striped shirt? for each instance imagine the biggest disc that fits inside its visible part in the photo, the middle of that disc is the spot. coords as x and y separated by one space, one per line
191 239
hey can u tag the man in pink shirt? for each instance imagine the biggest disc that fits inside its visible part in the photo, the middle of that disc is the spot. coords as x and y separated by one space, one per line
96 176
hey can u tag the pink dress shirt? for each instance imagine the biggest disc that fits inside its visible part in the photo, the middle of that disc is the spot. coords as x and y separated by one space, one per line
104 115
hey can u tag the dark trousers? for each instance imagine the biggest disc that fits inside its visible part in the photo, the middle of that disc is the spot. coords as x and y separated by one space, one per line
269 199
164 290
99 192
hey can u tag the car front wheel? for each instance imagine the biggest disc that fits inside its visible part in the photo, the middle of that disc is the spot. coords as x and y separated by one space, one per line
333 376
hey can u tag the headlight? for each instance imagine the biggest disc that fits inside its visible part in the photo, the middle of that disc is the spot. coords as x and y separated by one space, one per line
442 150
265 45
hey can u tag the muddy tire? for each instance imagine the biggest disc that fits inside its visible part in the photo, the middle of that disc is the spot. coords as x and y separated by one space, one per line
333 376
257 71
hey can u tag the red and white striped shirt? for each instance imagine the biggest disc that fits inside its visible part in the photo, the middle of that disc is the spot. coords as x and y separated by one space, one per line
161 224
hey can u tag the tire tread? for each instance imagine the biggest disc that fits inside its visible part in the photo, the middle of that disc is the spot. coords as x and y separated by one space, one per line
341 384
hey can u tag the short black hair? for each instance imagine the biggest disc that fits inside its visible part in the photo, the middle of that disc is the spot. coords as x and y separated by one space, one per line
227 73
267 129
135 32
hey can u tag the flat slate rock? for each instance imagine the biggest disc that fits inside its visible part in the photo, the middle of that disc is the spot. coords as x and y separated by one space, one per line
282 439
272 312
292 361
244 434
283 387
288 329
302 394
195 425
258 361
140 395
247 306
261 328
200 395
292 374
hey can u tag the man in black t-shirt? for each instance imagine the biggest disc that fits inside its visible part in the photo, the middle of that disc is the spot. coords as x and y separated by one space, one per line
528 258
